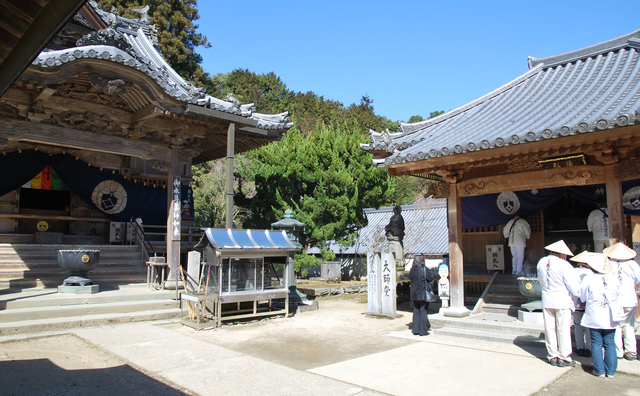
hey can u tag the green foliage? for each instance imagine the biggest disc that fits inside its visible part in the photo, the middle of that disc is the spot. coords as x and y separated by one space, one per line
302 261
415 118
325 178
177 36
435 113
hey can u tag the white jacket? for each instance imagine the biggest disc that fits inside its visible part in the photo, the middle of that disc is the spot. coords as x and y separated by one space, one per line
598 297
628 274
518 234
598 223
558 282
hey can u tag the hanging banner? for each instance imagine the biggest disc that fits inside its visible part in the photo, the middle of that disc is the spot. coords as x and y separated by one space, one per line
48 179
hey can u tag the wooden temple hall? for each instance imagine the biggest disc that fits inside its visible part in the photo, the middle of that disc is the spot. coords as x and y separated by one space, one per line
96 129
544 146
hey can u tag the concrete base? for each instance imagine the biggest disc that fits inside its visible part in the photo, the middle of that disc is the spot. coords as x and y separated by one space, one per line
456 312
88 289
530 317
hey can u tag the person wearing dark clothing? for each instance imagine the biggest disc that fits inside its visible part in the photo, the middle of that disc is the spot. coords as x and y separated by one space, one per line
419 276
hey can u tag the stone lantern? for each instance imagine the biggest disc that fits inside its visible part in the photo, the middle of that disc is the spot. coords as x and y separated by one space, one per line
292 227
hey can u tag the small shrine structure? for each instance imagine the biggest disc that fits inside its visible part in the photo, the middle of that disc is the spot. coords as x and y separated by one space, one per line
564 133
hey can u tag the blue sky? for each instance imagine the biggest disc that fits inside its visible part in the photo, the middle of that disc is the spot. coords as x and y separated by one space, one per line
410 57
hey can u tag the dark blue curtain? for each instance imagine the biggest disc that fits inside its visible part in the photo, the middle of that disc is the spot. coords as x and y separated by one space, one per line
112 194
493 209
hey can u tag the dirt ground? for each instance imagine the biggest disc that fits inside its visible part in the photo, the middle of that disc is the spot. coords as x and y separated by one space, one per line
338 331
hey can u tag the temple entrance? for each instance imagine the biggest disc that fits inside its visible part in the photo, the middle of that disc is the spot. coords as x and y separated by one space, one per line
566 219
43 203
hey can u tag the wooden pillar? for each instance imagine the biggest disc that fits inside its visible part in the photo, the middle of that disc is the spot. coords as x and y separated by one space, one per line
231 136
614 206
454 212
174 185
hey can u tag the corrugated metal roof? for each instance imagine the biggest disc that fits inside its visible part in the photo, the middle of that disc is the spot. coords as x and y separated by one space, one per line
426 230
594 88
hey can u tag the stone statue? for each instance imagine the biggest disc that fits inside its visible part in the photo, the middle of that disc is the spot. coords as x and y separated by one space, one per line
395 228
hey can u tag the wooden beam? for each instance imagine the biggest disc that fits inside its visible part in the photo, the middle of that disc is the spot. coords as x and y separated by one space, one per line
145 113
454 213
614 206
241 121
546 178
54 135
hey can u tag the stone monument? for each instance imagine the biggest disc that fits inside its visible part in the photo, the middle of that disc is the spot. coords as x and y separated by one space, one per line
381 284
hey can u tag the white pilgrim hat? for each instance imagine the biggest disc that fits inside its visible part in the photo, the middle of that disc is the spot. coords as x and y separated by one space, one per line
620 252
559 247
599 263
581 257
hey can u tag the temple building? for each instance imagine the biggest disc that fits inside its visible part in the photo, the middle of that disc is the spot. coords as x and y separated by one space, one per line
544 146
98 128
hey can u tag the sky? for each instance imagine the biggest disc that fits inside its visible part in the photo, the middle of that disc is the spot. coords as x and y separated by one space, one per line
409 57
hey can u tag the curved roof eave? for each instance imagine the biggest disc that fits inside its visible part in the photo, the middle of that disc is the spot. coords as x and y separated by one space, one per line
126 43
601 91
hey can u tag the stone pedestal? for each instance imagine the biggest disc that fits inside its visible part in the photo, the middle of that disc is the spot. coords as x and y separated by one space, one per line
530 317
331 271
88 289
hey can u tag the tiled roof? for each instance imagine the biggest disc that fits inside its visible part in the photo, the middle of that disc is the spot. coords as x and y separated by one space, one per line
426 230
133 43
590 89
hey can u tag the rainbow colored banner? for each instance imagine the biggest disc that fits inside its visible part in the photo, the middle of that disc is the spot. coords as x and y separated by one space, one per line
48 179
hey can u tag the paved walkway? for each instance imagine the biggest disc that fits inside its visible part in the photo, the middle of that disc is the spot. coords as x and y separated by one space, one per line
334 351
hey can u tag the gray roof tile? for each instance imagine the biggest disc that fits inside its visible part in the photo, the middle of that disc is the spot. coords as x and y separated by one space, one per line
594 88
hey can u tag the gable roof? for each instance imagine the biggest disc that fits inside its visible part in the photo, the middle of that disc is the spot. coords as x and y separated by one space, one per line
591 89
426 230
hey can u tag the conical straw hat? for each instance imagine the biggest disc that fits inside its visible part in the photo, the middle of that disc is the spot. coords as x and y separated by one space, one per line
581 257
559 247
599 263
620 252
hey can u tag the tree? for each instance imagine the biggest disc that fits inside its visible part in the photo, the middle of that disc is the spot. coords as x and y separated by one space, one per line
177 35
325 178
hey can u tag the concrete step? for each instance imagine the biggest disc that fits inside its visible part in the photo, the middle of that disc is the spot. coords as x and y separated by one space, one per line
52 324
56 281
57 273
492 336
50 298
79 310
15 266
505 298
506 309
487 322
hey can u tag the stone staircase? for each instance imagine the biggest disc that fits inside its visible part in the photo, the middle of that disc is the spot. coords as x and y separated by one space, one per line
36 265
45 310
504 297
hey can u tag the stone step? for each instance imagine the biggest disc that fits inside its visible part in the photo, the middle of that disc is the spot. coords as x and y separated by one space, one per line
50 298
530 340
513 327
79 310
55 282
59 272
506 309
505 298
135 263
53 324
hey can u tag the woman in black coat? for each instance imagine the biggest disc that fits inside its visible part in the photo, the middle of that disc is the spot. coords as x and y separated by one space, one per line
419 276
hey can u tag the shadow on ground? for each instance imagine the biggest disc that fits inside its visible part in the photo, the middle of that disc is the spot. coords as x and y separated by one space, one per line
42 377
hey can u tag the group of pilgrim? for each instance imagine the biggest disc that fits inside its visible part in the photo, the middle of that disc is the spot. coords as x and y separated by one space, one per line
601 290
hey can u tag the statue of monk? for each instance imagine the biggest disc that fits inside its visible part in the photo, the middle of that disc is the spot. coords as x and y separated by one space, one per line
395 228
